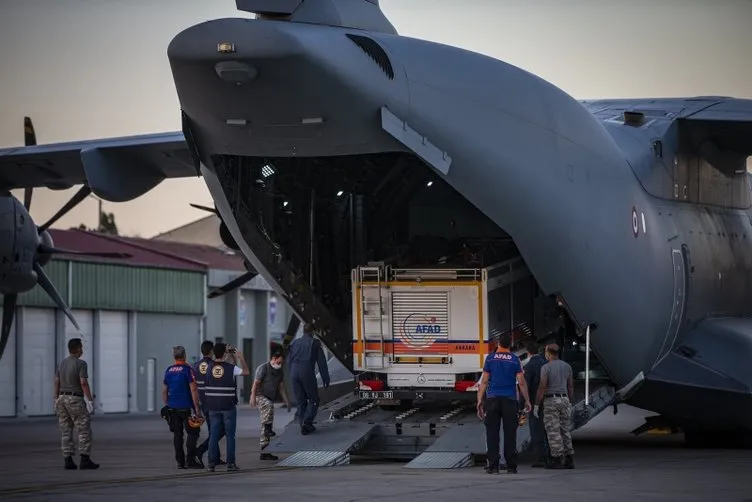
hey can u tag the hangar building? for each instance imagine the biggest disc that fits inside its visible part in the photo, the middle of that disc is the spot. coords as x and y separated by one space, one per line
131 312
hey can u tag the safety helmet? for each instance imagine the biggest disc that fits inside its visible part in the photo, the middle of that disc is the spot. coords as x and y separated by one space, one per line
195 422
521 418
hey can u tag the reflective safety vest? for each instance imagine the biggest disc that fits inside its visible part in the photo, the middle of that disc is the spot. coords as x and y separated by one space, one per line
220 390
201 369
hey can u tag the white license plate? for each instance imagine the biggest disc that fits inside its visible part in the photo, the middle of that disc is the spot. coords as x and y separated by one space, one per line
375 394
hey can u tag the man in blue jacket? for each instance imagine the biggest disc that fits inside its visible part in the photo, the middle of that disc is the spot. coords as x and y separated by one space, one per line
305 352
533 368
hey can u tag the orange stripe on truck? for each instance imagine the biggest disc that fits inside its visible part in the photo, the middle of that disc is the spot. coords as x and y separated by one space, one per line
436 348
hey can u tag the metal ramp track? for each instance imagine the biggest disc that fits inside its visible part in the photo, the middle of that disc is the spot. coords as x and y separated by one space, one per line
333 333
599 400
330 445
441 460
316 459
453 449
457 447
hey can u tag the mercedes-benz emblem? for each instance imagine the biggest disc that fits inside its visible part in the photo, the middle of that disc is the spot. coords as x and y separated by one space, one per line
421 378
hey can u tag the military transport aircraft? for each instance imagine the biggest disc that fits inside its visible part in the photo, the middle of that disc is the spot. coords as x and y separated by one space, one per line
318 129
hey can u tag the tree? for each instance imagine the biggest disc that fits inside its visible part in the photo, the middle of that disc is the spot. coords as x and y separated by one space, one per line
107 223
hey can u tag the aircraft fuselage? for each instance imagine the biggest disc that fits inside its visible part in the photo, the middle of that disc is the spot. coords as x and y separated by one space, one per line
535 161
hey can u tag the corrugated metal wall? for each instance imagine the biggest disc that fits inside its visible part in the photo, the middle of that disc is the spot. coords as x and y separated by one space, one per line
117 287
57 271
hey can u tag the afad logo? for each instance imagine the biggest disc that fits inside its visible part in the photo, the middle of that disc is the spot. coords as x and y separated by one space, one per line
419 331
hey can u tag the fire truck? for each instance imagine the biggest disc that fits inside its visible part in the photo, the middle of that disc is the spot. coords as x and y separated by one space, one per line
420 338
426 332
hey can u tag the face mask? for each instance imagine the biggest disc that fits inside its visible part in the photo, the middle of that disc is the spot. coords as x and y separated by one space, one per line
276 366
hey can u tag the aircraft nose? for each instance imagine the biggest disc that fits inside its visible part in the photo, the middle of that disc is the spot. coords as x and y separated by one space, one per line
294 89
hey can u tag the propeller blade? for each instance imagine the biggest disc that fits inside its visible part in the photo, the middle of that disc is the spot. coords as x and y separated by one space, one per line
27 197
292 329
73 202
233 284
30 136
50 250
205 208
9 311
47 285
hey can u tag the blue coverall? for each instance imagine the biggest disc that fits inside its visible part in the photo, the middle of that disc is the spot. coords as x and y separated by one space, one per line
538 436
305 352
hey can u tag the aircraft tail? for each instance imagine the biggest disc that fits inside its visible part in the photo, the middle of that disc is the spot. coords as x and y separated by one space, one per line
358 14
30 136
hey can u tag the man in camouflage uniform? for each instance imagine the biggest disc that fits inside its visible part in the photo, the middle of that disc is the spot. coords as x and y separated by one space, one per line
268 384
71 386
555 391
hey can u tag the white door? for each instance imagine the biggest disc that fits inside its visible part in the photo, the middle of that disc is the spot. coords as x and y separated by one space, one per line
8 376
37 341
85 319
112 352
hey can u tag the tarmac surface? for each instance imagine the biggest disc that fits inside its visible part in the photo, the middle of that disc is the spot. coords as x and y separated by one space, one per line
135 453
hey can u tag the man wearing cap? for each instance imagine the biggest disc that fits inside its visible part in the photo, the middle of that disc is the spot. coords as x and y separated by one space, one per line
555 392
180 397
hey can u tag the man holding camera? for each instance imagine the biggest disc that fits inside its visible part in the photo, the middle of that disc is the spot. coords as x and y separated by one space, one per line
201 369
221 395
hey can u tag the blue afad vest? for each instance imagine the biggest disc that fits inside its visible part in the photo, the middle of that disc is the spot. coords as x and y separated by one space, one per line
220 391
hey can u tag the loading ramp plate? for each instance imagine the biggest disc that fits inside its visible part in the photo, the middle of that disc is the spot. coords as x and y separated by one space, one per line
441 460
316 459
331 444
457 447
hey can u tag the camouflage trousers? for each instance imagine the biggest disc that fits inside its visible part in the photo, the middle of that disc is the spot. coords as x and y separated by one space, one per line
72 413
266 409
557 419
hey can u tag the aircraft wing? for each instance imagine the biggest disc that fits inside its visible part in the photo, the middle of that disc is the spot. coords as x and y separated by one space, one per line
116 169
711 108
729 119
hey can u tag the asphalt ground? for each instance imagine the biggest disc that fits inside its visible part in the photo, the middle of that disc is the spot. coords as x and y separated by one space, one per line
135 453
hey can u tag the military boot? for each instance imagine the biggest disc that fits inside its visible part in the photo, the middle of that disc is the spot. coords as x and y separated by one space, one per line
569 462
70 465
268 456
541 462
86 463
268 432
491 468
554 463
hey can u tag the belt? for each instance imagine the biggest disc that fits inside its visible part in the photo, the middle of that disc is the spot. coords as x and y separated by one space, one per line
556 395
75 394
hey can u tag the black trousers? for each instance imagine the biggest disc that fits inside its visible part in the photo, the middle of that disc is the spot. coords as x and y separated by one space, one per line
178 424
204 447
501 410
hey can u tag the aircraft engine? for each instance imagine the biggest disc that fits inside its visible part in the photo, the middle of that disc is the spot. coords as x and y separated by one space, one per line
22 260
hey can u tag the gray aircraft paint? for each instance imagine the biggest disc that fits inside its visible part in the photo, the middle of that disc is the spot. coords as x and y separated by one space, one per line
550 162
570 182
